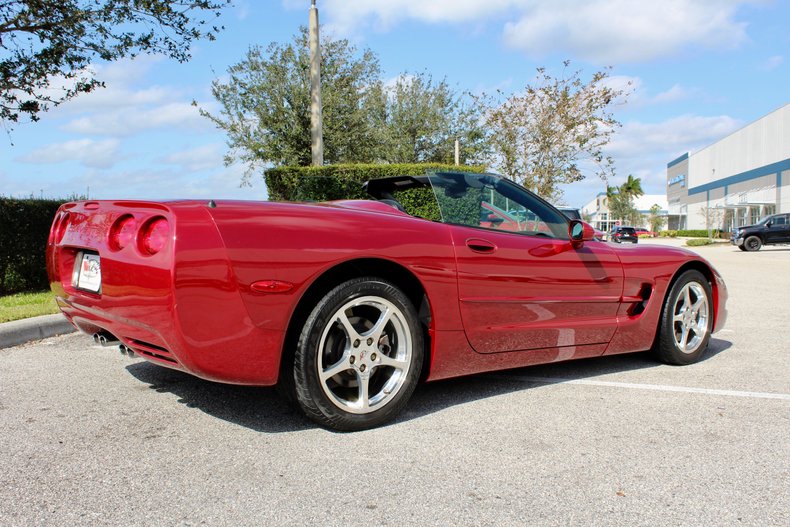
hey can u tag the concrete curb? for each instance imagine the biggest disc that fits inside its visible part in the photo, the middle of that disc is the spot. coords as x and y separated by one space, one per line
36 328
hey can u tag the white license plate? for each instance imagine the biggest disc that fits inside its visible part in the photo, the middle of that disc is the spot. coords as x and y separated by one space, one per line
89 273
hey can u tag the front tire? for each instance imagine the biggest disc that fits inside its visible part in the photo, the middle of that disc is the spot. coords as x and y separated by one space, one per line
686 320
359 356
753 243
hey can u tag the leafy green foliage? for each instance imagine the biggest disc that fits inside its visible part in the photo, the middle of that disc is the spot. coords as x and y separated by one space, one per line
418 121
265 110
698 242
44 43
265 104
552 132
655 219
23 243
621 201
332 182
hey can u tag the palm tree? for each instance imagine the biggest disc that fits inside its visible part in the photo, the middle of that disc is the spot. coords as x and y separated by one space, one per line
621 199
632 187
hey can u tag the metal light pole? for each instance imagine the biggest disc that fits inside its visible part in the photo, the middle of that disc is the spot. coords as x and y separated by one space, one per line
316 119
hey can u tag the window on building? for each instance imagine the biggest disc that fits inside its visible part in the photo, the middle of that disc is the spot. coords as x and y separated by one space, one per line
755 214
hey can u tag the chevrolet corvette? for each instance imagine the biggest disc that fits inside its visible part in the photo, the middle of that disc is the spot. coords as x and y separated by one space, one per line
347 305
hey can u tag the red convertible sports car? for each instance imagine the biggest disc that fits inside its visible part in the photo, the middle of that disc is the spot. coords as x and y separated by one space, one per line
347 305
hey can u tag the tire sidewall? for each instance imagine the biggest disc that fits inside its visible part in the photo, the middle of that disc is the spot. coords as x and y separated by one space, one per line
309 392
667 349
748 241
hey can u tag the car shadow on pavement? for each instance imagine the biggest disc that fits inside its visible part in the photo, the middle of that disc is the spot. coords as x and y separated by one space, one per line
433 397
257 408
264 410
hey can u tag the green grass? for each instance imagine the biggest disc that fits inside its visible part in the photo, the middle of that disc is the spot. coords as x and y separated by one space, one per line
26 305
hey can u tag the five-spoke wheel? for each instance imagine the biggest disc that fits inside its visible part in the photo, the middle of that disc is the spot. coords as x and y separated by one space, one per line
686 322
359 355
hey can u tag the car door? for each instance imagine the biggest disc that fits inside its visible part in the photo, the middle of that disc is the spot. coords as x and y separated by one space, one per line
779 231
528 289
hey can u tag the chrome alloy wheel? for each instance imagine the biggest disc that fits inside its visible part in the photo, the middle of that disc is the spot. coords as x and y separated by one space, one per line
690 317
364 354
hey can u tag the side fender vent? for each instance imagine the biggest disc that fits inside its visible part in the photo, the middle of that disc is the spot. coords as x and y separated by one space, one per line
639 302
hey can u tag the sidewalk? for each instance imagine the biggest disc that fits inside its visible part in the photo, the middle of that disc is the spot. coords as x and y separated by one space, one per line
36 328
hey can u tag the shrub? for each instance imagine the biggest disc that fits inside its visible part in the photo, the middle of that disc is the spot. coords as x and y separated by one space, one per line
697 242
696 233
331 182
23 243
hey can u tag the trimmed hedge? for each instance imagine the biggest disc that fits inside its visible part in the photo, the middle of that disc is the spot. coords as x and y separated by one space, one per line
23 243
695 233
698 233
330 182
698 242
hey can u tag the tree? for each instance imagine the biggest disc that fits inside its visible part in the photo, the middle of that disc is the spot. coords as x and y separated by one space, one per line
265 110
655 219
556 129
621 200
265 104
632 187
421 120
713 216
44 43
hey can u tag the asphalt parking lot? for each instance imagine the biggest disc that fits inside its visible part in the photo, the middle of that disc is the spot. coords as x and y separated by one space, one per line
90 437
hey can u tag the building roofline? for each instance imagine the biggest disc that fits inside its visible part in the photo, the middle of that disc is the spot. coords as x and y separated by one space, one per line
740 129
678 160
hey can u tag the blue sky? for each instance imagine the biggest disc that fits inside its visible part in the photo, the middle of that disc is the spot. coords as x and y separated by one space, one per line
700 69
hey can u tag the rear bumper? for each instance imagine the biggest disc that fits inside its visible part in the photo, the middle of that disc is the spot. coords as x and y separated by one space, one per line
239 355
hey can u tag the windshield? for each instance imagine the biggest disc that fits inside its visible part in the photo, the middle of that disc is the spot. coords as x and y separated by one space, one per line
765 220
490 202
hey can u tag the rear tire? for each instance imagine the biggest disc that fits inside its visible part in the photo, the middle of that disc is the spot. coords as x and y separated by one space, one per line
753 243
359 356
686 320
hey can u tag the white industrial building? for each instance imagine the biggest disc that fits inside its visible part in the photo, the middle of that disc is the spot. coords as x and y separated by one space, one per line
735 181
598 210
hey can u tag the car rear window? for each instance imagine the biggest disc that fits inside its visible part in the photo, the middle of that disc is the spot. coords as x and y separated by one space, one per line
627 230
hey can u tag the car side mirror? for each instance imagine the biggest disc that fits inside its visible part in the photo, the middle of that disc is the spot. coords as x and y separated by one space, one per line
580 231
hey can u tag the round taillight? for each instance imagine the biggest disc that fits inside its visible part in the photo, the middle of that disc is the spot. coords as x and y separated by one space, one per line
122 232
153 236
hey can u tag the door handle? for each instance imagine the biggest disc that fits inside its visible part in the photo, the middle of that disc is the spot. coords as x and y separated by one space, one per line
480 246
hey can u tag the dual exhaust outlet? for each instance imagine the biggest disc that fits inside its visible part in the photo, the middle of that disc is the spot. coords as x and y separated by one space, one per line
108 339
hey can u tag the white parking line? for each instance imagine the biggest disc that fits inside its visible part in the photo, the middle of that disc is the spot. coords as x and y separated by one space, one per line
638 386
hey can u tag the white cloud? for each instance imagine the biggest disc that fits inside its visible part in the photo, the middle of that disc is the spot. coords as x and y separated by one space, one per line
204 157
345 16
675 93
772 63
616 31
131 120
90 153
670 137
159 184
644 149
601 31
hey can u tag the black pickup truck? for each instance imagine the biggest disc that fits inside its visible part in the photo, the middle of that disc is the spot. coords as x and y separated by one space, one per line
771 230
